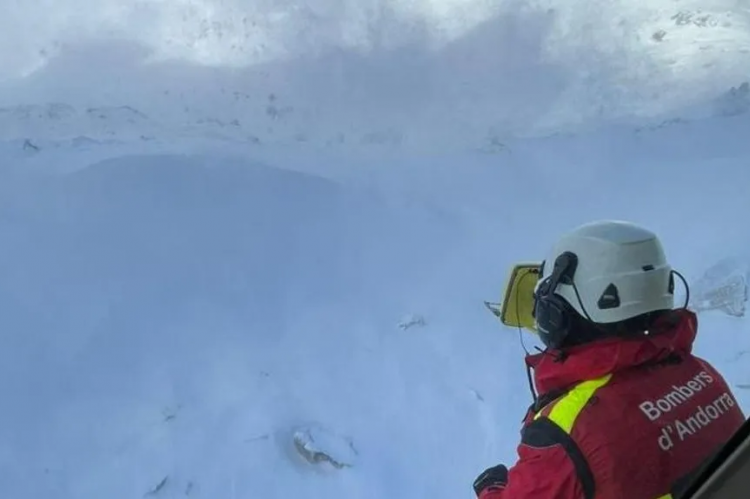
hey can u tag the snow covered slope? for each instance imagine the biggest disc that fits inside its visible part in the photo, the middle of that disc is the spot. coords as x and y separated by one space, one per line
244 245
227 322
169 315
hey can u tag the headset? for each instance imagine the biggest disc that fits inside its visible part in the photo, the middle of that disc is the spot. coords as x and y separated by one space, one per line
551 312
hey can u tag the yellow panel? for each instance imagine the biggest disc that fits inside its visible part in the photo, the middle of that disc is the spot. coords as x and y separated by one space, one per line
518 302
566 410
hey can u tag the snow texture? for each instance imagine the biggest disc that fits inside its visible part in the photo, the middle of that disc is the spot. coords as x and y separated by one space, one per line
212 222
173 322
412 320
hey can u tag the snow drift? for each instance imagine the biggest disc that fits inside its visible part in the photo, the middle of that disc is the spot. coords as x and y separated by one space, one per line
207 323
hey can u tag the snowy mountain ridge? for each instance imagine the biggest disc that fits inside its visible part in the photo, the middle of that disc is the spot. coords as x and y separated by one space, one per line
384 71
55 124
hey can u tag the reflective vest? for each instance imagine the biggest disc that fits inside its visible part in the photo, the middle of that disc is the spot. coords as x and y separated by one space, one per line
664 441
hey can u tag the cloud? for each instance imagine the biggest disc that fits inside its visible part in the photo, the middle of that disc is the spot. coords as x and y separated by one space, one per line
221 32
491 64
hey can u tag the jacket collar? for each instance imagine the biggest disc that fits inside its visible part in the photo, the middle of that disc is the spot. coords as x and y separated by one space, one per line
673 335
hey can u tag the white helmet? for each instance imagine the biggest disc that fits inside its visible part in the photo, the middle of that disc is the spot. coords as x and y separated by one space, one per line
620 272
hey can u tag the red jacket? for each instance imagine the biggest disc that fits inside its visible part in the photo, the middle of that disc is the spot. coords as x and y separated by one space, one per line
621 419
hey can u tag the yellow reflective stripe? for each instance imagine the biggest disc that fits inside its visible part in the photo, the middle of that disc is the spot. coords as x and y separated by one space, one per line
566 410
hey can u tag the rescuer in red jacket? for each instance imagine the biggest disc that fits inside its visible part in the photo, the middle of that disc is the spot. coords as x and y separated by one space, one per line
625 410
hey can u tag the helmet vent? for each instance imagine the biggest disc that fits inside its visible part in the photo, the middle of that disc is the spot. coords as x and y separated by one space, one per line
610 298
647 268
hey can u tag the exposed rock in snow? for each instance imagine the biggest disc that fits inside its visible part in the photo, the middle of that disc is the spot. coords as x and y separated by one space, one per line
722 287
158 488
411 321
320 446
735 101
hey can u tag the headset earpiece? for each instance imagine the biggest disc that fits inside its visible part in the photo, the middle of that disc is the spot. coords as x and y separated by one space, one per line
551 312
